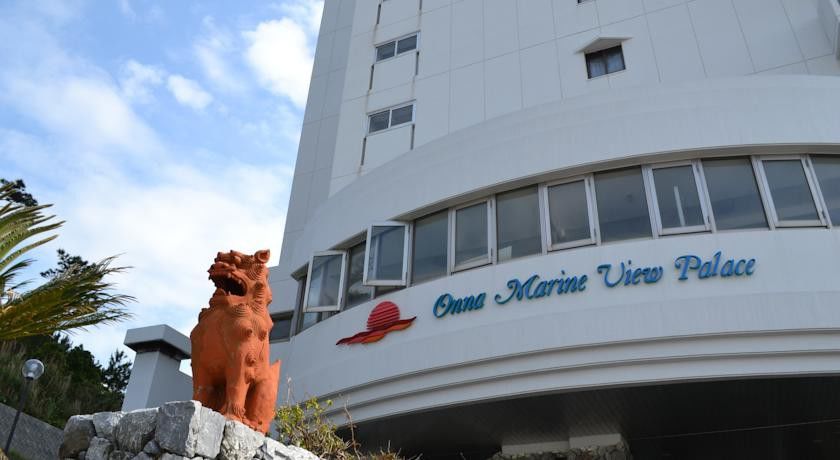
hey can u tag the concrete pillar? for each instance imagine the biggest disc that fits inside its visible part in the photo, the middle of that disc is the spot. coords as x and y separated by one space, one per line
156 377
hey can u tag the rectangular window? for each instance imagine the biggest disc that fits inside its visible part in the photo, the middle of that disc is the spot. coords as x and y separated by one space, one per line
678 200
325 282
392 117
518 224
356 292
622 205
733 192
429 254
790 192
306 320
471 236
604 62
282 327
570 216
827 169
396 47
385 264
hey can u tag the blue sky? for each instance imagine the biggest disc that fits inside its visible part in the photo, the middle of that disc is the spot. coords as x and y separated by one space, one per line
162 131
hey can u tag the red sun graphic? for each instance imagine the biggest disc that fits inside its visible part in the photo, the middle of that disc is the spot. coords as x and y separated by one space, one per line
384 318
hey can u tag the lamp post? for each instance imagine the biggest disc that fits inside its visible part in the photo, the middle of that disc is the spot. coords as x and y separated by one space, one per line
32 369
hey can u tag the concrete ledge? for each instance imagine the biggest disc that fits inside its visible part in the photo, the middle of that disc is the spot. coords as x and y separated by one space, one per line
160 338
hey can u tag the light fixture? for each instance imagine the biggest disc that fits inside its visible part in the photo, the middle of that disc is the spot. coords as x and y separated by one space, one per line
32 369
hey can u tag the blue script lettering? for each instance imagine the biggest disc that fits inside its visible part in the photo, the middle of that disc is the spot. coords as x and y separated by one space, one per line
627 275
446 304
713 267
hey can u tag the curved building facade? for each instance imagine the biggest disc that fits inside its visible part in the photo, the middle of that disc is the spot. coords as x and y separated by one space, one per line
536 225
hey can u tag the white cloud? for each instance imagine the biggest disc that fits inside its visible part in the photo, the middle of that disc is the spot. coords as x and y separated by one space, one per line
280 52
187 92
136 80
213 49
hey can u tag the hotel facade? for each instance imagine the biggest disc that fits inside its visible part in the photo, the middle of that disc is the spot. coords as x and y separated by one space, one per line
547 224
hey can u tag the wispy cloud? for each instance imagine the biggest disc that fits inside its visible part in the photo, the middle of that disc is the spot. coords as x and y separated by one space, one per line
137 80
280 51
187 92
213 49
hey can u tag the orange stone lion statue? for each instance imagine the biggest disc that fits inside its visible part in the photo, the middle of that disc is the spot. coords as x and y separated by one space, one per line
230 353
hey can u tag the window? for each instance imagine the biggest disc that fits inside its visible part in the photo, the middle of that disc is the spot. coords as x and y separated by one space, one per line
392 117
356 292
570 217
605 61
385 264
471 236
325 282
828 174
790 193
429 254
306 320
396 47
282 327
733 192
518 224
622 205
678 199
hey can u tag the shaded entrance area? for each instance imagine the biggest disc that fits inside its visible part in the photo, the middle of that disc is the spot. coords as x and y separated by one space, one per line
769 419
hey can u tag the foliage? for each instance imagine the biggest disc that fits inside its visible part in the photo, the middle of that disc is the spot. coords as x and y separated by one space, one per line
306 426
19 194
73 382
66 262
76 297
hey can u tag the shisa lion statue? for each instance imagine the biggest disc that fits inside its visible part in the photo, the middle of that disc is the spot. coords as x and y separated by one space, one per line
230 353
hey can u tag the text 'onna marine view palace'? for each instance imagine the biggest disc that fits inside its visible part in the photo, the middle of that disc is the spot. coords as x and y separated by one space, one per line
535 225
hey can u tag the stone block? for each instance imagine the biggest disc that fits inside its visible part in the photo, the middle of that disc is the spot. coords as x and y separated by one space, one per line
143 456
121 455
274 450
240 442
135 429
77 434
168 456
82 455
188 429
152 448
99 449
105 423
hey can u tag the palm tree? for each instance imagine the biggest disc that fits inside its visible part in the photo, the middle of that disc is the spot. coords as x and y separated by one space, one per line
76 298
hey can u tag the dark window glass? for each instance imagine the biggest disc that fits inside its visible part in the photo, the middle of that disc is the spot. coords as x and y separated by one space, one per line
430 242
622 206
471 235
385 51
828 173
736 203
407 44
568 212
402 115
312 318
518 223
604 61
282 328
379 121
789 188
356 292
676 194
387 247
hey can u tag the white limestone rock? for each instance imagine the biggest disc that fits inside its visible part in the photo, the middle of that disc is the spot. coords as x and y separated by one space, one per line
274 450
105 423
239 442
99 449
135 429
78 432
188 429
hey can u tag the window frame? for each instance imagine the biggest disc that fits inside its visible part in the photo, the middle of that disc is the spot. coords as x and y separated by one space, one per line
588 185
344 305
396 42
824 212
767 195
288 314
541 210
343 270
390 111
407 236
702 195
599 237
411 252
491 235
601 55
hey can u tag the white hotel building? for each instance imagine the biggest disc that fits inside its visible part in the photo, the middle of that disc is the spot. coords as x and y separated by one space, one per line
612 220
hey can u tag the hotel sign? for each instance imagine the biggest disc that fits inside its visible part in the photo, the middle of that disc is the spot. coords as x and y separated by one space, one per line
624 274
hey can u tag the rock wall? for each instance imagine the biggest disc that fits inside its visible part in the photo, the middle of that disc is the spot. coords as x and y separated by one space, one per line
175 431
33 439
615 452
